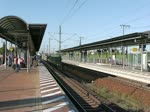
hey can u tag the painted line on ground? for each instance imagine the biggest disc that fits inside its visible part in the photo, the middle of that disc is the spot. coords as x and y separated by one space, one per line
56 107
51 94
44 78
71 111
48 86
53 100
48 90
47 83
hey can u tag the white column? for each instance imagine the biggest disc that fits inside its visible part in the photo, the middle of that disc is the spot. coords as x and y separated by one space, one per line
6 54
28 53
27 59
141 57
110 57
123 56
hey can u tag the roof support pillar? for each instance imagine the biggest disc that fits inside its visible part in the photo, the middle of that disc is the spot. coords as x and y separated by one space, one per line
69 55
85 56
5 54
123 56
110 49
142 57
115 53
28 54
126 56
81 57
129 55
106 53
28 59
101 54
123 48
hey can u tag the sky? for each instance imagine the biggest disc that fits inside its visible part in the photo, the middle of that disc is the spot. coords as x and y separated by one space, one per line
93 20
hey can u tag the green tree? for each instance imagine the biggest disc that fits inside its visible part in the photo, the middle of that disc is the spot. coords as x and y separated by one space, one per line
1 50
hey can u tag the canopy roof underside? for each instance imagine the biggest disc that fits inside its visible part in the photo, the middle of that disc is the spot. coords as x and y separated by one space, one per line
125 40
17 31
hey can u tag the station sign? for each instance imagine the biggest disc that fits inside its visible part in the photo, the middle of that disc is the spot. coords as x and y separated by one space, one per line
11 49
134 49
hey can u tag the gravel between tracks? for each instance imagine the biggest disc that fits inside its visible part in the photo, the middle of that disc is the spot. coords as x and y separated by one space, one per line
113 85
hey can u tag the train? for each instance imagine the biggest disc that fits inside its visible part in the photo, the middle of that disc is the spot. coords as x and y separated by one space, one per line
55 61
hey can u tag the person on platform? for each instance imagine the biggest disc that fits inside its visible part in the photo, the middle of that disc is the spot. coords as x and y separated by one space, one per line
16 64
19 62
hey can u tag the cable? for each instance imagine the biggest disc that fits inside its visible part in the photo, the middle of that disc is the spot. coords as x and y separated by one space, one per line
147 26
78 8
68 38
135 19
138 18
67 4
69 11
69 17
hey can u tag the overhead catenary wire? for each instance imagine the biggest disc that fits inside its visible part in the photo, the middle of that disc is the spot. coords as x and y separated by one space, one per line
130 21
74 9
135 11
146 26
67 4
81 5
137 18
73 12
75 3
69 38
65 9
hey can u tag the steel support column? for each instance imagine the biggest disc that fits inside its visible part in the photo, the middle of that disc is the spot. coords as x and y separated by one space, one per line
81 57
101 55
142 57
110 50
85 56
28 52
123 56
5 54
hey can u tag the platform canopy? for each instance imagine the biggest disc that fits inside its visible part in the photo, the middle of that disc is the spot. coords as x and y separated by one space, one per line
17 31
124 40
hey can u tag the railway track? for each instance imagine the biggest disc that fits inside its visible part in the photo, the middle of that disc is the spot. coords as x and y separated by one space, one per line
81 98
137 84
130 87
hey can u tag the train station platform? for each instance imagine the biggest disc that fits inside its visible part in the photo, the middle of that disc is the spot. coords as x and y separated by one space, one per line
127 73
35 91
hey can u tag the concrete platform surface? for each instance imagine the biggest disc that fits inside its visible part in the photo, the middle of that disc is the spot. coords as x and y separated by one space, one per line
136 75
35 91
